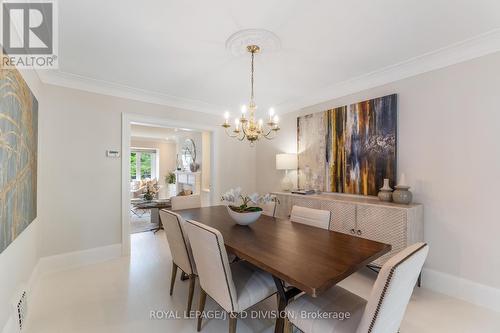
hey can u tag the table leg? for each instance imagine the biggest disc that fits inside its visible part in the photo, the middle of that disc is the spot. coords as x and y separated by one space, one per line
285 295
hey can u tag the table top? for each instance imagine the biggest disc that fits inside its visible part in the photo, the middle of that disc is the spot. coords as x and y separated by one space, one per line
309 258
160 204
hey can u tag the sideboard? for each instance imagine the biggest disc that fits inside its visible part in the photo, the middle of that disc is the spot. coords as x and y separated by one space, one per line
367 217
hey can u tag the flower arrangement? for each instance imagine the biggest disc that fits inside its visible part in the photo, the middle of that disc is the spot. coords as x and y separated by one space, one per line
234 196
152 189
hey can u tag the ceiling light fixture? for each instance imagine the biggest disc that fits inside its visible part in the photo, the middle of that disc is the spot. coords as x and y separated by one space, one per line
247 127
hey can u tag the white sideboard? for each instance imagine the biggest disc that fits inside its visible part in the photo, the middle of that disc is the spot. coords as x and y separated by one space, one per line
367 217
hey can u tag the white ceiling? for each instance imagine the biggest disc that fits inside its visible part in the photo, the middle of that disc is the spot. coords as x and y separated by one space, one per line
176 49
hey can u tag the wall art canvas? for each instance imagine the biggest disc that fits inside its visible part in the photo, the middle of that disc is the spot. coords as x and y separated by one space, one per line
349 149
18 155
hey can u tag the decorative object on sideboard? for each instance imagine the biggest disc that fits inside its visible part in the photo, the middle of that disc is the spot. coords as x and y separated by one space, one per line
249 128
248 212
385 193
402 194
350 149
286 162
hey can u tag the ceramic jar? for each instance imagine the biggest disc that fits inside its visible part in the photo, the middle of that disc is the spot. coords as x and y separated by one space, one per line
402 195
385 193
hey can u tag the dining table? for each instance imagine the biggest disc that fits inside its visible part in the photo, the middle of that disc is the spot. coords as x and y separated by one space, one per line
310 259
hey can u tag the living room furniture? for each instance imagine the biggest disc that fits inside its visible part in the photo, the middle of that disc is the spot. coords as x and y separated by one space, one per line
154 206
365 217
234 287
180 248
311 259
185 201
382 313
188 180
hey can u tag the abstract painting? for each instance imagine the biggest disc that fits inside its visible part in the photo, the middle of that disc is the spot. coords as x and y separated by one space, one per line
349 149
18 155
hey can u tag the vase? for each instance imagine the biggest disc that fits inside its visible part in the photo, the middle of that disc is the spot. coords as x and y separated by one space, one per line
385 193
245 218
402 195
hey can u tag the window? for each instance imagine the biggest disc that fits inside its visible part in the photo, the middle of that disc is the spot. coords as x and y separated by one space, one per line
142 164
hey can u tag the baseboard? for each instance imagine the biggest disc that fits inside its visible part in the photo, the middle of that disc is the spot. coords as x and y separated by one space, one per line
463 289
76 259
60 262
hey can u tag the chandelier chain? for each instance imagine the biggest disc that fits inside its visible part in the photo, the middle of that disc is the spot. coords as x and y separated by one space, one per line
251 76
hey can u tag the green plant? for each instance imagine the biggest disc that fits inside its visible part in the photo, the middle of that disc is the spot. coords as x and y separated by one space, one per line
170 178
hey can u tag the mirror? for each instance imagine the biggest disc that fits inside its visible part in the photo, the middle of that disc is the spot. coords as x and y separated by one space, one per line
188 154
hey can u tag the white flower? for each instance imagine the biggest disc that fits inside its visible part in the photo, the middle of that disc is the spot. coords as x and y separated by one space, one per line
254 198
229 196
267 198
236 192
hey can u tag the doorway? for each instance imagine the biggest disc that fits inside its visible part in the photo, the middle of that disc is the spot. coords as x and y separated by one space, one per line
156 166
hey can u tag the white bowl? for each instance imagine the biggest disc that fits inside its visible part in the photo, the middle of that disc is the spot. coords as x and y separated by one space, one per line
244 218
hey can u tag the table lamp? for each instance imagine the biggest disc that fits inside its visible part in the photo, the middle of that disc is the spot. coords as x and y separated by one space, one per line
286 162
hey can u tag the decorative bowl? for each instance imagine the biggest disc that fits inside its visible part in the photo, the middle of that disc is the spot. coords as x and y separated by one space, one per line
244 218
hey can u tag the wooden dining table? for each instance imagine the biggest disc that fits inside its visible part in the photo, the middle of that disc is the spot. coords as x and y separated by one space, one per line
308 258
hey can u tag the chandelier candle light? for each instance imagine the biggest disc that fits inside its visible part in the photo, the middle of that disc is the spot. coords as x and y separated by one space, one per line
246 127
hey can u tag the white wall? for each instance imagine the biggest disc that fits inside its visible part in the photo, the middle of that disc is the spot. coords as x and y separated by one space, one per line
449 148
18 260
83 187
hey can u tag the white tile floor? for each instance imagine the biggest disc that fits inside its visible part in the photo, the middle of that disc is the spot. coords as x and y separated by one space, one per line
118 295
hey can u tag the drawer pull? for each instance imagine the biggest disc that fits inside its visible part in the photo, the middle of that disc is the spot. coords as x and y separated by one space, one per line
353 231
359 232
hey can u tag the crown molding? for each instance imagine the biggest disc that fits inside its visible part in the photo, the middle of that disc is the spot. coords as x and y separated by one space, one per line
79 82
469 49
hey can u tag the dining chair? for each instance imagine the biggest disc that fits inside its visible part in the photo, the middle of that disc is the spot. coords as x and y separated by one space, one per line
269 208
313 217
180 248
382 313
185 201
235 287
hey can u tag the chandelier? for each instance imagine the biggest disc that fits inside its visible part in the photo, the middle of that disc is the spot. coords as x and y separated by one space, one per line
246 127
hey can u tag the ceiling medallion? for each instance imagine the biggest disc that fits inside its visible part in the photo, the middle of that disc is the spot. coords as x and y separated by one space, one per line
237 43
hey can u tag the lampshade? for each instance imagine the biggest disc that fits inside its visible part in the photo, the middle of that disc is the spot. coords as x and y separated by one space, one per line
286 161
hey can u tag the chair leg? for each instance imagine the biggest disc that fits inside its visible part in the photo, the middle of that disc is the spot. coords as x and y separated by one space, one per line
172 279
201 307
192 280
233 319
288 328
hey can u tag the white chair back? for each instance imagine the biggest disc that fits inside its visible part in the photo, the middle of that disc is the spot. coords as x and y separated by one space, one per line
269 208
185 201
212 264
178 241
313 217
392 290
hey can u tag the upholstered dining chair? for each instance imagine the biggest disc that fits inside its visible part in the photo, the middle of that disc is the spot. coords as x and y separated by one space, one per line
313 217
382 313
180 248
185 201
269 208
235 287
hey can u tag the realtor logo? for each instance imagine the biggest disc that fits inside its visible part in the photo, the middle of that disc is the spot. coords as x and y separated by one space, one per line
29 34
